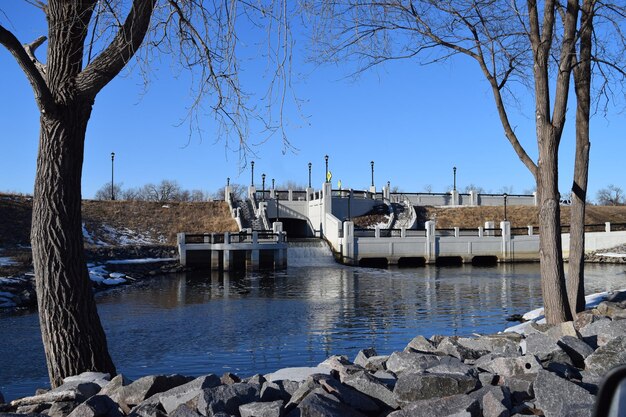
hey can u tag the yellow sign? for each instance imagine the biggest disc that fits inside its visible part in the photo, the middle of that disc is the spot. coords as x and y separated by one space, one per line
329 176
339 184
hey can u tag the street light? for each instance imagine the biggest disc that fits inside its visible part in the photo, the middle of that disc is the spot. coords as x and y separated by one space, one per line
273 184
505 197
263 186
310 165
454 173
112 163
372 164
326 173
228 182
252 169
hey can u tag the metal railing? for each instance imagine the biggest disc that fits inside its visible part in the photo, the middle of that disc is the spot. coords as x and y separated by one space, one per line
241 237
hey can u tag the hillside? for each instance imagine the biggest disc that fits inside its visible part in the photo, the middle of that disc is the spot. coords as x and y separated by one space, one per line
122 222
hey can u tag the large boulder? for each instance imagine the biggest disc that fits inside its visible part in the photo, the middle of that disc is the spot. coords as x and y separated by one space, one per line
452 365
369 385
317 405
413 387
505 344
73 391
97 406
363 355
451 346
521 387
455 405
261 409
143 388
558 397
545 348
349 396
227 398
606 357
172 398
507 366
576 348
411 361
421 344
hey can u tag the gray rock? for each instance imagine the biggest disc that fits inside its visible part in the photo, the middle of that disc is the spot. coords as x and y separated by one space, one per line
183 410
421 344
32 408
577 349
289 386
172 398
546 349
316 405
506 344
97 406
229 378
386 378
450 346
349 396
493 406
614 310
564 371
585 318
61 408
400 362
413 387
342 365
305 389
371 386
272 391
114 385
455 405
452 365
146 409
255 379
512 366
143 388
363 355
558 397
487 378
99 378
75 392
557 331
496 394
227 398
261 409
590 331
376 363
606 357
521 387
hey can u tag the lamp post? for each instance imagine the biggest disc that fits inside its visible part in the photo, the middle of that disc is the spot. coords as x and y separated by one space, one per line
505 197
252 169
263 187
372 164
326 173
228 182
277 207
454 181
112 163
310 165
273 184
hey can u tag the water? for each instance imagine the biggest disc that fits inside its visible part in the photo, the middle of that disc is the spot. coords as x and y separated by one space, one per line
259 322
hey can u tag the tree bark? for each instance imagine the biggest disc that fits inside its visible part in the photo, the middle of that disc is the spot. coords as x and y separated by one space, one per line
582 86
73 337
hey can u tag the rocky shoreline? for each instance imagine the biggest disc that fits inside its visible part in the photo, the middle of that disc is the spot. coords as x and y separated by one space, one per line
543 370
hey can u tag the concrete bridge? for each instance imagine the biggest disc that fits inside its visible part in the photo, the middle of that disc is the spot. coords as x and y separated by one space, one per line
328 214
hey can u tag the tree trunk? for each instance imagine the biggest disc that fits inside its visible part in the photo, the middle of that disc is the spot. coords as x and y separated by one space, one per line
556 305
72 334
582 86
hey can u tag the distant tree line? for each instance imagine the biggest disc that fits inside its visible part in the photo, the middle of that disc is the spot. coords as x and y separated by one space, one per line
165 191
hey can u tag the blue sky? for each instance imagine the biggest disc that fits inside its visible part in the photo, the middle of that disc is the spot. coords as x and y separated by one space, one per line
416 122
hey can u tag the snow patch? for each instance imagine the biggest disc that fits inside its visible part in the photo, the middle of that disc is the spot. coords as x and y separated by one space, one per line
140 261
7 261
612 255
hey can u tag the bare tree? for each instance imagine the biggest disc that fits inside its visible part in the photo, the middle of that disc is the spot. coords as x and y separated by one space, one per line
88 43
475 188
611 196
516 43
105 192
238 191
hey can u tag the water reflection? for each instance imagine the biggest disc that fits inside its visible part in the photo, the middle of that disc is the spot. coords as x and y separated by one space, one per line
248 323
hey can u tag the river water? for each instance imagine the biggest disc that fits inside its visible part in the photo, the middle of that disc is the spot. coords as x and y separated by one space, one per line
249 323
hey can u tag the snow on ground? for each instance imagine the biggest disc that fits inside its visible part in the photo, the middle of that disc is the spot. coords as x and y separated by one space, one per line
110 236
612 255
99 274
7 261
139 261
537 316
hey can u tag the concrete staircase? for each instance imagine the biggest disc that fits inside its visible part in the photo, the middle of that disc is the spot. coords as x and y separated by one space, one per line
403 215
249 220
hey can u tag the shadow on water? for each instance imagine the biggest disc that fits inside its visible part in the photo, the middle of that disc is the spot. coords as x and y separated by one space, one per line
246 323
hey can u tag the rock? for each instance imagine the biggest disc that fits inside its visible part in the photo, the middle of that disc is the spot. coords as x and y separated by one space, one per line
143 388
172 398
342 365
597 327
261 409
421 344
271 391
557 397
371 386
546 349
521 387
227 398
183 410
257 379
506 344
305 389
487 378
527 364
576 349
499 394
229 378
75 392
614 310
298 374
400 362
97 406
316 405
146 409
363 355
493 406
99 378
452 365
557 331
376 363
450 346
61 408
114 385
386 378
413 387
564 370
606 357
455 405
349 396
289 386
32 408
585 318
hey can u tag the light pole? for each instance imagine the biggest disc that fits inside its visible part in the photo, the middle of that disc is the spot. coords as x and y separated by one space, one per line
310 165
372 164
252 170
263 186
228 182
454 174
112 163
273 184
505 197
326 173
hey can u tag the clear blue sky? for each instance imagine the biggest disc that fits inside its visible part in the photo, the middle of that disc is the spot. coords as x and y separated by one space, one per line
416 122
